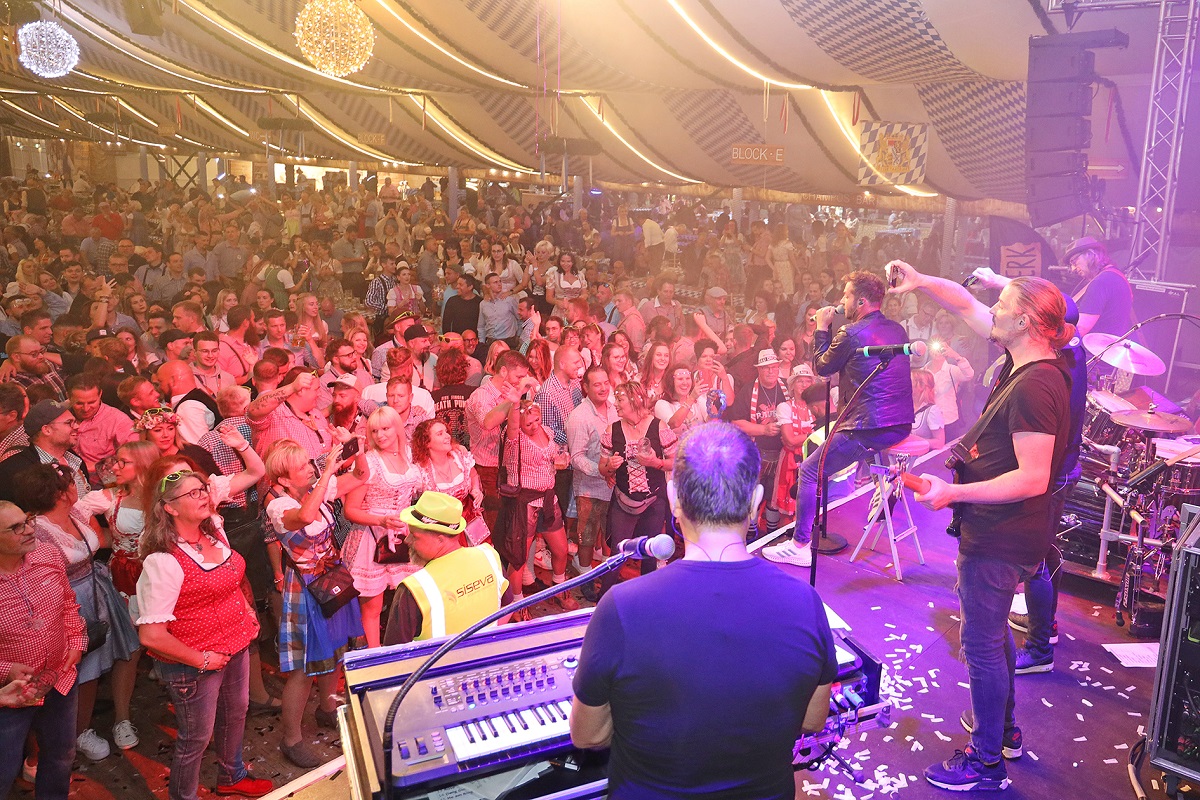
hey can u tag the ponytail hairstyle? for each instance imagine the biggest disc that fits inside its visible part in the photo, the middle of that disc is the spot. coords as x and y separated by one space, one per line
1043 303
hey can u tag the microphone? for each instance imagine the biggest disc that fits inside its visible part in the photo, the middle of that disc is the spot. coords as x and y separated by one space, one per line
917 349
659 547
838 309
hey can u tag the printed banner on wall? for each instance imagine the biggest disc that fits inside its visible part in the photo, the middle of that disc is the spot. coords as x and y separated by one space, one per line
893 152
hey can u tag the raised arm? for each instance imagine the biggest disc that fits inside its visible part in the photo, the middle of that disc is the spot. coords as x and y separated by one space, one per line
949 295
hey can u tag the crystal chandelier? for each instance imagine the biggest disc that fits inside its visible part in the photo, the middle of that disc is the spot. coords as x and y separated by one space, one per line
335 36
47 49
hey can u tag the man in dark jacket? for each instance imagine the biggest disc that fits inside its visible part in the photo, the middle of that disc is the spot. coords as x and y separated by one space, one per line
878 418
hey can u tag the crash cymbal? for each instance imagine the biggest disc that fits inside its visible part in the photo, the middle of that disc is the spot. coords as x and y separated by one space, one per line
1124 354
1153 421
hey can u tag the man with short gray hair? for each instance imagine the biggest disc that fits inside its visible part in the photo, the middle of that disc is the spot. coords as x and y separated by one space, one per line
676 743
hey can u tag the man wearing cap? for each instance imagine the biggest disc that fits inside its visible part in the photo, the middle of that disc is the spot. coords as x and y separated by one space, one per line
754 411
53 432
1105 299
340 360
346 408
398 324
880 417
457 587
419 341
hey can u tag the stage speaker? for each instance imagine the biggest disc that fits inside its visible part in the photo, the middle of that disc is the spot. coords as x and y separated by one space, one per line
1057 133
1057 209
1061 63
144 17
1055 163
1058 99
1055 186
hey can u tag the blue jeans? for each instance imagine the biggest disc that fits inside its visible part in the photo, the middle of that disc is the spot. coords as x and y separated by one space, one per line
208 705
985 591
53 724
845 448
1041 590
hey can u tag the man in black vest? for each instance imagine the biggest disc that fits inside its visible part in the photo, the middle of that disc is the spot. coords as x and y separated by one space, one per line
197 411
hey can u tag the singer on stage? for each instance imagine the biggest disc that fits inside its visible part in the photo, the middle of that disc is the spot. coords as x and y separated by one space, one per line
700 676
881 416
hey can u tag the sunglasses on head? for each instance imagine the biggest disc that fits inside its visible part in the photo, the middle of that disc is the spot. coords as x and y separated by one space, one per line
173 478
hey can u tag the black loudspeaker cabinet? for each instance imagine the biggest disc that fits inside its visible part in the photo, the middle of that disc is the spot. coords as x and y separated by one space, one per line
1057 209
1174 733
1039 165
1058 99
1057 133
1069 63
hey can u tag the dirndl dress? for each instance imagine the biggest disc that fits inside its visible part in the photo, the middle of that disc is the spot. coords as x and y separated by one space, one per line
386 493
308 639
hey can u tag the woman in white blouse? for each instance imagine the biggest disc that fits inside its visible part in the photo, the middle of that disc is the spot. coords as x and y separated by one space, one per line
49 491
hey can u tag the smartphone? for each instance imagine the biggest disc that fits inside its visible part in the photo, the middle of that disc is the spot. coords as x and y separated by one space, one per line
893 277
350 448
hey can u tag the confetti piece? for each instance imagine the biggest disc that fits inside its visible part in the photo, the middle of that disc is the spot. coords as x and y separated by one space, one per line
876 608
1069 636
1122 695
1032 755
1134 713
942 736
1047 703
1081 738
1106 669
964 685
1130 688
889 625
916 746
1110 761
1087 702
1079 717
1121 746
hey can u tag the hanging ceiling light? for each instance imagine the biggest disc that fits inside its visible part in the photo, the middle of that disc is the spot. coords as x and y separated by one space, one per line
47 49
335 36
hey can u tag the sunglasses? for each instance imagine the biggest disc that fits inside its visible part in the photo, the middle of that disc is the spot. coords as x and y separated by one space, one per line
174 477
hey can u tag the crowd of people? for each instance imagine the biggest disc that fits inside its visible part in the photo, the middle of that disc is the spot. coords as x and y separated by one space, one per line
211 401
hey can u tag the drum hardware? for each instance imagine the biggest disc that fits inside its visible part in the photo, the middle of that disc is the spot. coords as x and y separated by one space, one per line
1124 354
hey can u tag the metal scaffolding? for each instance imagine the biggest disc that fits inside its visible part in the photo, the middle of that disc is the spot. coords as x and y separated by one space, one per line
1173 60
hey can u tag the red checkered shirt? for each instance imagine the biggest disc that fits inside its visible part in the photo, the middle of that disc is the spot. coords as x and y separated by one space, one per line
39 618
282 423
536 462
485 444
225 456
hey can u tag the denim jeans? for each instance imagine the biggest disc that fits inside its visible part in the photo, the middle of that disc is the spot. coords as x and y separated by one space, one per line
622 525
845 448
1041 590
53 724
208 705
985 591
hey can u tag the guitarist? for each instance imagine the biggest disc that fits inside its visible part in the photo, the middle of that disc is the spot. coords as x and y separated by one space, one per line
1005 499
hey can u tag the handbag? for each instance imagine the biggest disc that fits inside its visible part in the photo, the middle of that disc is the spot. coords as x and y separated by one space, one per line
631 506
97 629
385 553
333 589
504 482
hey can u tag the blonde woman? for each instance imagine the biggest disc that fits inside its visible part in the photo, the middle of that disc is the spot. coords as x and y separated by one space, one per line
219 320
311 645
390 483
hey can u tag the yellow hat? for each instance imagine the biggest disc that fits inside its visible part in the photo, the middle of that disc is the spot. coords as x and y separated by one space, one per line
437 512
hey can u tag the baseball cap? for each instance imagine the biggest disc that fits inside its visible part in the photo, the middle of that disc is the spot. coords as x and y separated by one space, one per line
42 413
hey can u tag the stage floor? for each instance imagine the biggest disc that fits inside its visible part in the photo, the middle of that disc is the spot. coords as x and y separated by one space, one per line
1079 721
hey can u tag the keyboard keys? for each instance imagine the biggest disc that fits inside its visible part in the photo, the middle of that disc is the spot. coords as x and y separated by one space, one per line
510 731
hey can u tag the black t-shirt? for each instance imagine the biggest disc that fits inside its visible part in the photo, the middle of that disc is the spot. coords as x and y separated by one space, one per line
1017 532
1110 297
768 401
707 692
461 315
450 406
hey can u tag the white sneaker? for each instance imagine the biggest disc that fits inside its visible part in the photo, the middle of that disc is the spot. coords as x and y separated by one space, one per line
125 735
789 553
91 745
543 559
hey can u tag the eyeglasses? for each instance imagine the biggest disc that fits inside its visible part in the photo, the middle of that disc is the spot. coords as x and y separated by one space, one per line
22 526
194 494
39 353
470 339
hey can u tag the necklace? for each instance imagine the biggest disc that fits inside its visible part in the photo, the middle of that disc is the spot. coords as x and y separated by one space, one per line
198 544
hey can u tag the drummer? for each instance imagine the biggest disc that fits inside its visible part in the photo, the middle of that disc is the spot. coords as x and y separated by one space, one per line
1105 301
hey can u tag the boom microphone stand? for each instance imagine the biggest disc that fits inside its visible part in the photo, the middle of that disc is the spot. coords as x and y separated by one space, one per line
823 479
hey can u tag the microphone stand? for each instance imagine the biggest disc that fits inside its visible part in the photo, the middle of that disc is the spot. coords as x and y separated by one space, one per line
823 479
611 563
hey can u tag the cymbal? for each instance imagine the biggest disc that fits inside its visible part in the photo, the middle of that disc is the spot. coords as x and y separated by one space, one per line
1124 354
1153 421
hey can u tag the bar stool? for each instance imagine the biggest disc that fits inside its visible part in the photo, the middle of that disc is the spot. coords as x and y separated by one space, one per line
886 476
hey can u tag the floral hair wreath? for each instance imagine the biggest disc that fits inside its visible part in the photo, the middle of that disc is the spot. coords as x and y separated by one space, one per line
154 417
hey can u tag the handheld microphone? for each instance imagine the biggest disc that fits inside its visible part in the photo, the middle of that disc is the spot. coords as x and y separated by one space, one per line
917 349
839 309
660 547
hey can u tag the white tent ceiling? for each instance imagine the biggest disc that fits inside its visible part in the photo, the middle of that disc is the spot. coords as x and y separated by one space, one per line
664 86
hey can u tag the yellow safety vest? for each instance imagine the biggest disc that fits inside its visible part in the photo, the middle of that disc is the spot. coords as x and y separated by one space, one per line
457 590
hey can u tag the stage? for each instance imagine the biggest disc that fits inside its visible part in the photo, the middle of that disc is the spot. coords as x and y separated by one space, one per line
1079 721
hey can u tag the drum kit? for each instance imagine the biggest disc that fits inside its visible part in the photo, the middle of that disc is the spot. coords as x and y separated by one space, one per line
1135 461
